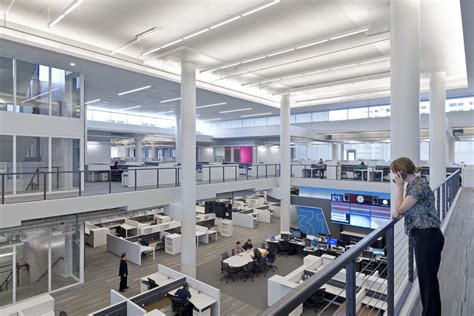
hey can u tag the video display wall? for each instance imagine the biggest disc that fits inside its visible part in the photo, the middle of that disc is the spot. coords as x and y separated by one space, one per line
311 220
361 210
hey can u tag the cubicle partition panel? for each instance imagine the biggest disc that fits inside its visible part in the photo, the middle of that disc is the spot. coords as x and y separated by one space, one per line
117 246
116 297
152 296
208 290
135 310
119 309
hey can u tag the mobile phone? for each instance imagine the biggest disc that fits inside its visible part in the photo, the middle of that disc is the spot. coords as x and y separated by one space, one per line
402 174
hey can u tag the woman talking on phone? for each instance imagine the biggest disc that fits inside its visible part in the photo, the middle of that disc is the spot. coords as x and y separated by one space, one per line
422 223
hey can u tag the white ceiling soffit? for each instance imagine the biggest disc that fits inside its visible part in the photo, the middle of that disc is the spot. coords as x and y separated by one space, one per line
287 43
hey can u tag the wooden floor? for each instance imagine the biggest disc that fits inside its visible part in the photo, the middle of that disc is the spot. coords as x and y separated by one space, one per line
456 275
101 274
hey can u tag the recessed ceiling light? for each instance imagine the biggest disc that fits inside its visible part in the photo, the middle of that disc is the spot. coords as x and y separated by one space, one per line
72 64
93 101
236 110
132 107
214 119
210 105
134 90
258 114
170 100
68 10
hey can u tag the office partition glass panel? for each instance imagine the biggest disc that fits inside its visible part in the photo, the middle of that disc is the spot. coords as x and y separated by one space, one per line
225 124
148 121
425 108
6 84
32 88
118 117
32 159
134 120
338 115
65 93
6 275
101 116
292 119
248 123
261 121
358 113
90 115
464 152
6 162
379 111
320 116
425 151
236 123
32 256
303 118
63 257
273 120
65 164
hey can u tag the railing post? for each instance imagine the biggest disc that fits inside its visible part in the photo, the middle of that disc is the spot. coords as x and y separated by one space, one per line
438 201
351 288
3 188
390 236
236 173
247 171
157 178
57 178
110 181
411 266
291 170
445 199
276 170
210 179
44 185
176 177
80 183
135 186
257 171
223 174
266 171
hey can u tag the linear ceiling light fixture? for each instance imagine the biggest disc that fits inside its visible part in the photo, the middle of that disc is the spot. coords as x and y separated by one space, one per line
213 119
134 90
170 100
132 107
92 101
258 114
39 95
288 50
236 110
212 27
210 105
137 39
68 10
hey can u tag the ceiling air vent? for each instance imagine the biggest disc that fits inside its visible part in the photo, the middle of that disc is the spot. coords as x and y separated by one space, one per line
458 132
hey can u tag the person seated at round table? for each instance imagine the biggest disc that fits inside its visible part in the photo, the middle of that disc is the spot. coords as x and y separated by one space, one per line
267 252
257 255
248 245
238 248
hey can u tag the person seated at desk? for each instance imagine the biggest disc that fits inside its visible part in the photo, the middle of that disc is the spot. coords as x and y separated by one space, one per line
321 166
185 295
142 241
248 245
358 169
238 248
270 255
115 166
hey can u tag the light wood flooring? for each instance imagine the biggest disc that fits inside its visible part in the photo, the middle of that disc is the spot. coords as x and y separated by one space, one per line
101 274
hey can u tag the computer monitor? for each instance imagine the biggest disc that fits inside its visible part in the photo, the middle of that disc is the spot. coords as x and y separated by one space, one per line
285 236
378 252
303 235
151 284
314 243
332 242
307 242
296 234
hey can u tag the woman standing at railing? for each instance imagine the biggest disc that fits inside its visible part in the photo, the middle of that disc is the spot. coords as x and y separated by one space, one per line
423 224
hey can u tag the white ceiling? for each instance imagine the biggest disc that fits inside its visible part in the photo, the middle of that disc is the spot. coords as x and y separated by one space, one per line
105 25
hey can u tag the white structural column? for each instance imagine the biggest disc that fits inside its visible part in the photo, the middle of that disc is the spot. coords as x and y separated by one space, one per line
450 150
188 168
336 151
405 79
285 161
437 128
178 132
153 152
138 149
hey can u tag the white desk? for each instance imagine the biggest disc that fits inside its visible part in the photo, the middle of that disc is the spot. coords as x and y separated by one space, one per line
243 258
146 249
201 237
128 227
159 279
201 301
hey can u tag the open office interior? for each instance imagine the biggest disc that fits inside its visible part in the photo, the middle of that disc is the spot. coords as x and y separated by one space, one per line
238 152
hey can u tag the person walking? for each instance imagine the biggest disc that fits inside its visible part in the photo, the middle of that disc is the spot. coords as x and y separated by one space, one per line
422 223
123 272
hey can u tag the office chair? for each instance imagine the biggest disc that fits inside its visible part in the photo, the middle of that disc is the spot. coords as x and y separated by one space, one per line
177 304
224 255
316 300
261 266
271 257
233 251
229 272
248 272
284 247
160 246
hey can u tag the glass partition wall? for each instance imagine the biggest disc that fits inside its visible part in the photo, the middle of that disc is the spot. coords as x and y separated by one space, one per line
39 261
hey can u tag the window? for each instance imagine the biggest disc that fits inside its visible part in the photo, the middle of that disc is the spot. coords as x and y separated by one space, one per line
261 121
379 111
464 152
248 123
236 123
273 120
320 116
425 107
358 113
338 115
303 118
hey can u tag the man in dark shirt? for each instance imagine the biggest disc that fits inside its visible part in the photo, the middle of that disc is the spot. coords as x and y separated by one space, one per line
185 295
123 272
142 241
248 245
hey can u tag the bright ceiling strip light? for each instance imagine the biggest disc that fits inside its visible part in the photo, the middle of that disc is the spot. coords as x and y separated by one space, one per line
137 39
68 10
253 59
235 18
225 22
312 44
170 100
237 110
210 105
213 119
134 90
132 107
281 52
349 34
166 112
258 114
229 66
92 101
344 66
374 60
261 8
39 95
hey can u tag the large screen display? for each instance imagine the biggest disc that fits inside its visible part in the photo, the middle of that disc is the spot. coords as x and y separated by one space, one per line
368 211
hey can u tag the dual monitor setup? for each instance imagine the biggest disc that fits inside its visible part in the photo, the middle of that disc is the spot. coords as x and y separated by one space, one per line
222 210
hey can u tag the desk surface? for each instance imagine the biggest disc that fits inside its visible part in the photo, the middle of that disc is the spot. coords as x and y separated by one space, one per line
200 300
127 226
241 259
159 278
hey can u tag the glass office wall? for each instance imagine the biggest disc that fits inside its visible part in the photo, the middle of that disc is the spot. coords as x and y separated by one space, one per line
65 156
32 88
65 93
6 84
132 119
464 152
6 161
32 157
6 275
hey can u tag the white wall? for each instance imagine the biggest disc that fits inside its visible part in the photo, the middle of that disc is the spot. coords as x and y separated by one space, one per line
207 154
98 152
268 154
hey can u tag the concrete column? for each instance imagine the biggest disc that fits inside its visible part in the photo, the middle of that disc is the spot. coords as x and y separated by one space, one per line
437 128
178 132
188 168
153 152
285 152
138 149
450 150
336 151
405 81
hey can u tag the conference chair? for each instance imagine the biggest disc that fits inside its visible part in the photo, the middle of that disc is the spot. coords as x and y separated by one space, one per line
233 251
271 257
261 266
224 255
229 272
160 246
248 272
284 247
